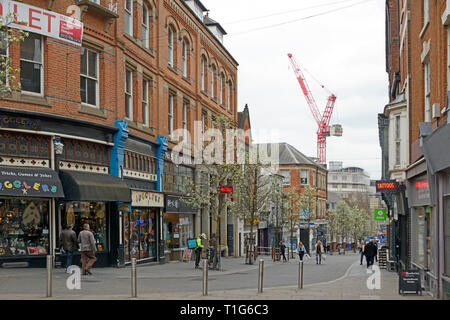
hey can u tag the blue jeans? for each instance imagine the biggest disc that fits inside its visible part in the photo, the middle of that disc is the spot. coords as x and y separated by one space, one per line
69 259
318 258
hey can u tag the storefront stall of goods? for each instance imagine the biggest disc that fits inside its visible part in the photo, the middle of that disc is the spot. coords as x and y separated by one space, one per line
27 196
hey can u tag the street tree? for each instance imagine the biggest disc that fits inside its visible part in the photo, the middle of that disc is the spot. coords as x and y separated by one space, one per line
8 37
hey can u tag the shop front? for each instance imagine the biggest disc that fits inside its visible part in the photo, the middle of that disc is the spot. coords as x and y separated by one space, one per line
93 198
141 226
178 225
423 230
27 197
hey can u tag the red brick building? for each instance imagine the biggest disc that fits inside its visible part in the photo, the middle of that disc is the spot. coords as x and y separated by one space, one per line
417 57
144 69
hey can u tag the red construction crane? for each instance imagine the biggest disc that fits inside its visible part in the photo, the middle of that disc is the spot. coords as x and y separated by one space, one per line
323 121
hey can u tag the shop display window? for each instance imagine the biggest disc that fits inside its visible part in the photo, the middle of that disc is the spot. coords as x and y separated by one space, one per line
24 227
420 256
139 234
178 228
94 213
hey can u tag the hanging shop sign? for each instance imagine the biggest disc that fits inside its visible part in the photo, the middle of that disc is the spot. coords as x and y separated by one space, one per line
380 214
19 123
147 199
30 182
387 186
40 21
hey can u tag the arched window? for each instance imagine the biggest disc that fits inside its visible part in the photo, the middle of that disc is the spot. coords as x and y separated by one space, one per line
171 45
185 58
145 26
230 95
203 72
213 83
222 89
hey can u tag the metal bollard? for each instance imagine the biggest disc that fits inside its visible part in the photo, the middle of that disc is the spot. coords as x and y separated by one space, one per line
133 278
260 275
205 277
49 275
300 274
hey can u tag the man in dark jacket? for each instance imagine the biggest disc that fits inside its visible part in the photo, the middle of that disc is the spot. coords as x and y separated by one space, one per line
370 251
69 243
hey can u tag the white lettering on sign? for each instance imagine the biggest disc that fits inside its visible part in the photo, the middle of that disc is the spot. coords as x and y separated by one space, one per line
46 23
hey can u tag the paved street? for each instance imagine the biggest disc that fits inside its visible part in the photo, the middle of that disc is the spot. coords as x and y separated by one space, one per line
340 277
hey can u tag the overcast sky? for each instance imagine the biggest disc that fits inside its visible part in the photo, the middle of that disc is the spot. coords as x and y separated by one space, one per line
344 50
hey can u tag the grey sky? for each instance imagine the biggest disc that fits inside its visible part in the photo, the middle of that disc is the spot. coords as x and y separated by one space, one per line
344 50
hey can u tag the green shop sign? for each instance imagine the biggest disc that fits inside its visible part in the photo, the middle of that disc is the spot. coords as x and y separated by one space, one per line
380 214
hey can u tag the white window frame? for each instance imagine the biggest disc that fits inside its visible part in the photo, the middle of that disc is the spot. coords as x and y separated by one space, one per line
129 13
426 11
170 113
145 106
129 94
230 88
185 58
203 73
427 83
307 177
6 55
222 77
145 27
41 93
97 80
286 179
212 81
170 44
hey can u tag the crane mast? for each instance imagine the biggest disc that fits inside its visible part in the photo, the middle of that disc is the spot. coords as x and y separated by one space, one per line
323 121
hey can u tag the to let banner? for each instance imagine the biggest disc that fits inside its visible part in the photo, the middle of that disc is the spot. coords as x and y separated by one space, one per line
46 23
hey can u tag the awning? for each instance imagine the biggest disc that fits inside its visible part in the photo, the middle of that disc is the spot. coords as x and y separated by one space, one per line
86 186
30 182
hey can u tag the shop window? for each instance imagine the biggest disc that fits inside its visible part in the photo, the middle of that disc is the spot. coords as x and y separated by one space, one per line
140 234
177 229
420 234
34 147
2 144
447 232
24 227
12 145
94 213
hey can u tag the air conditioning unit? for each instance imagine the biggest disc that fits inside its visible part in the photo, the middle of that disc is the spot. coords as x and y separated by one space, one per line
436 111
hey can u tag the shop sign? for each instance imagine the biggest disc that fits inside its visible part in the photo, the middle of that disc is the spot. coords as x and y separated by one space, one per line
146 199
174 204
409 280
380 214
19 123
46 23
387 186
422 190
124 207
28 182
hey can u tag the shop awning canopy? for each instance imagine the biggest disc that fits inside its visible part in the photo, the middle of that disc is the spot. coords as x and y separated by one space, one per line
86 186
30 182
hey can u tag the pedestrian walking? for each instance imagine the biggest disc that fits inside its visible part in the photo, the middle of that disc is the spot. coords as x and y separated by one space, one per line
361 251
370 251
88 249
198 249
283 250
301 250
318 247
212 248
69 243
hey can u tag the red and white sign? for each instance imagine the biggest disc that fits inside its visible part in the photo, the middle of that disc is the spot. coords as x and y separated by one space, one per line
46 23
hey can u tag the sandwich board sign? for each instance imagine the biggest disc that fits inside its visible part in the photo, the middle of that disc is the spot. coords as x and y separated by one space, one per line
380 214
